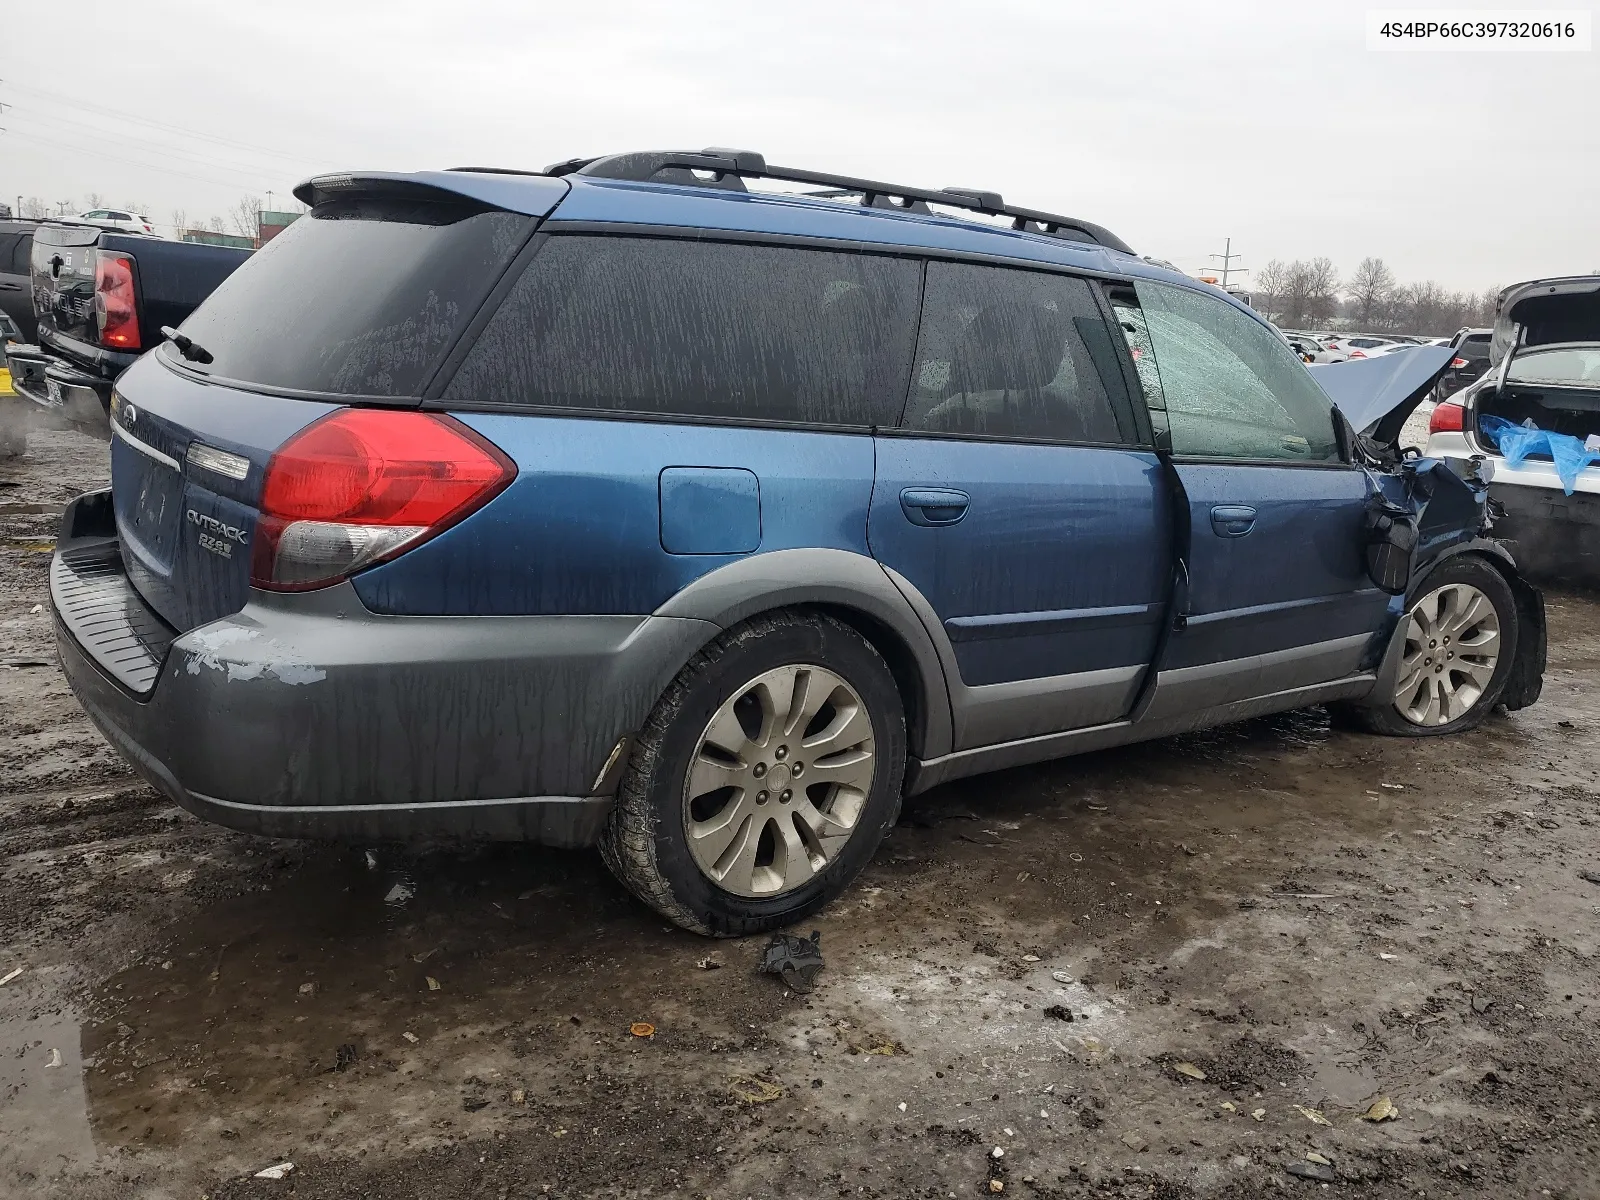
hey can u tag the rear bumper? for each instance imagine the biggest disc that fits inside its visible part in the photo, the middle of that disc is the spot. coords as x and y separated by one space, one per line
1556 537
52 383
310 716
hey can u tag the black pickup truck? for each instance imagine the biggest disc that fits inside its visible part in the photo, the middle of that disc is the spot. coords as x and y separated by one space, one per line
101 297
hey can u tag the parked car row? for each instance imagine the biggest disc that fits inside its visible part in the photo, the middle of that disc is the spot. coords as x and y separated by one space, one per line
619 504
1333 347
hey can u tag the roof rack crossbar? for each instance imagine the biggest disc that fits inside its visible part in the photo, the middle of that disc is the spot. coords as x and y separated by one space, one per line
718 163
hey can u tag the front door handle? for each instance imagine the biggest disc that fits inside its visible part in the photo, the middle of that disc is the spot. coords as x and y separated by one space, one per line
934 506
1232 520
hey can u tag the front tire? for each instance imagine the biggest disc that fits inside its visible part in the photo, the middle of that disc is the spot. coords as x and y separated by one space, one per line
764 779
1459 652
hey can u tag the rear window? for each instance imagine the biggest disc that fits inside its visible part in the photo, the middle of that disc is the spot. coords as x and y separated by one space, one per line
1476 346
361 297
660 326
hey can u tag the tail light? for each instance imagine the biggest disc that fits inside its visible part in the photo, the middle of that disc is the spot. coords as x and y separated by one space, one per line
1457 363
1357 354
1449 416
114 304
363 485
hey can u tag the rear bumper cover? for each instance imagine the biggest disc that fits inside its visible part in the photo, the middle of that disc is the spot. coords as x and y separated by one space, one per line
55 384
310 716
1556 536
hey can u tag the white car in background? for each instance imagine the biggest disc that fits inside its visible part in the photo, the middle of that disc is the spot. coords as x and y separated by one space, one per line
1363 347
116 218
1314 347
1544 355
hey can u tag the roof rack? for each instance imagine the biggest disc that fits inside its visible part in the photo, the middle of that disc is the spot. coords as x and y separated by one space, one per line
727 169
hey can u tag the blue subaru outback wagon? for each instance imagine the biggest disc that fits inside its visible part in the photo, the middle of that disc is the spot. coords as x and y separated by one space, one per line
641 502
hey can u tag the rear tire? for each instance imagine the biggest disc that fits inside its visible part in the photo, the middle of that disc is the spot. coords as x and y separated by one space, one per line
763 780
1463 611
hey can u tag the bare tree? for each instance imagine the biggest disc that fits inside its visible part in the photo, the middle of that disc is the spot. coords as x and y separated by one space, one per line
1370 289
1321 290
136 208
216 225
245 217
1310 292
35 209
93 200
1483 314
1272 282
180 223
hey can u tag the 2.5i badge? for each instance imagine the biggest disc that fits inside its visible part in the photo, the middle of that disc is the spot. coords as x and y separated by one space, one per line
216 536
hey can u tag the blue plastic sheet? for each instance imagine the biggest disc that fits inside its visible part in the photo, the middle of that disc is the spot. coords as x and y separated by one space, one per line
1520 442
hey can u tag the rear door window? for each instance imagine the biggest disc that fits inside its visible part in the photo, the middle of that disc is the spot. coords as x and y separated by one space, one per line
705 329
361 297
1016 354
1232 388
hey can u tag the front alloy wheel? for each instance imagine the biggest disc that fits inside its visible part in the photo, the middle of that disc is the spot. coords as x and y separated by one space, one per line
779 780
1450 655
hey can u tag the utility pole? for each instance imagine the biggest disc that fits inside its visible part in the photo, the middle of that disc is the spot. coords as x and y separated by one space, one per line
1227 256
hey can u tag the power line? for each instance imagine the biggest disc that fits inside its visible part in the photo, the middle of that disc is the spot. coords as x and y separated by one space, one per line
54 143
134 141
105 144
67 102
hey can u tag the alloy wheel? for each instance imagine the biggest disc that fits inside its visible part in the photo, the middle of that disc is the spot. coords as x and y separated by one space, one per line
1450 654
778 781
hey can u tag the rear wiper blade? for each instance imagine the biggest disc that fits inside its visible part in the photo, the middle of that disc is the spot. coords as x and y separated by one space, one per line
187 346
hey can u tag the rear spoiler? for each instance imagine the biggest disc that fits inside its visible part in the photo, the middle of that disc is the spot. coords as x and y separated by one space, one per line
532 195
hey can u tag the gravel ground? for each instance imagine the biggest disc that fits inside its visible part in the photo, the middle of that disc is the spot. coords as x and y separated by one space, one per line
1170 971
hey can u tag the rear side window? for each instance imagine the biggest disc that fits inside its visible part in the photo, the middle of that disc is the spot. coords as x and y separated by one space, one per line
1016 354
658 326
361 297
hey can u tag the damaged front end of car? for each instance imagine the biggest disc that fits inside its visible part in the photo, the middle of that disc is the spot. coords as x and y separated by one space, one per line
1424 511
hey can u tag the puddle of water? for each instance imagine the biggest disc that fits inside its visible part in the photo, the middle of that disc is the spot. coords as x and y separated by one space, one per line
44 1121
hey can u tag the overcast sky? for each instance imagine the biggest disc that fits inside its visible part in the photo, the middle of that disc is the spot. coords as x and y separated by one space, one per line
1175 124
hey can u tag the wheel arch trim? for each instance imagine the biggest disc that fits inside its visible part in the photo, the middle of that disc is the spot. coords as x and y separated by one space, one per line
853 588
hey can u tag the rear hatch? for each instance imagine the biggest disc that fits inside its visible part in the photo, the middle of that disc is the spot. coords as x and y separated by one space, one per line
63 270
357 304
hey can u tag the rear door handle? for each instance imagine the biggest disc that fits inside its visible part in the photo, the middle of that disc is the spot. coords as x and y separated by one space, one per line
1232 520
934 506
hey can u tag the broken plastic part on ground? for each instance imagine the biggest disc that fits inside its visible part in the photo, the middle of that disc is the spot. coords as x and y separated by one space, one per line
796 960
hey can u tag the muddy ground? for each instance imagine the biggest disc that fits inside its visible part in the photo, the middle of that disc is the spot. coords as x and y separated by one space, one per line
1311 919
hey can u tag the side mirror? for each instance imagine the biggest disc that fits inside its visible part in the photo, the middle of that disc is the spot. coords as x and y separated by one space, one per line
1390 543
1344 435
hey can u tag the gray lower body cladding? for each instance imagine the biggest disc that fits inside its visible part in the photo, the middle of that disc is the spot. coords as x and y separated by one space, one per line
309 716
